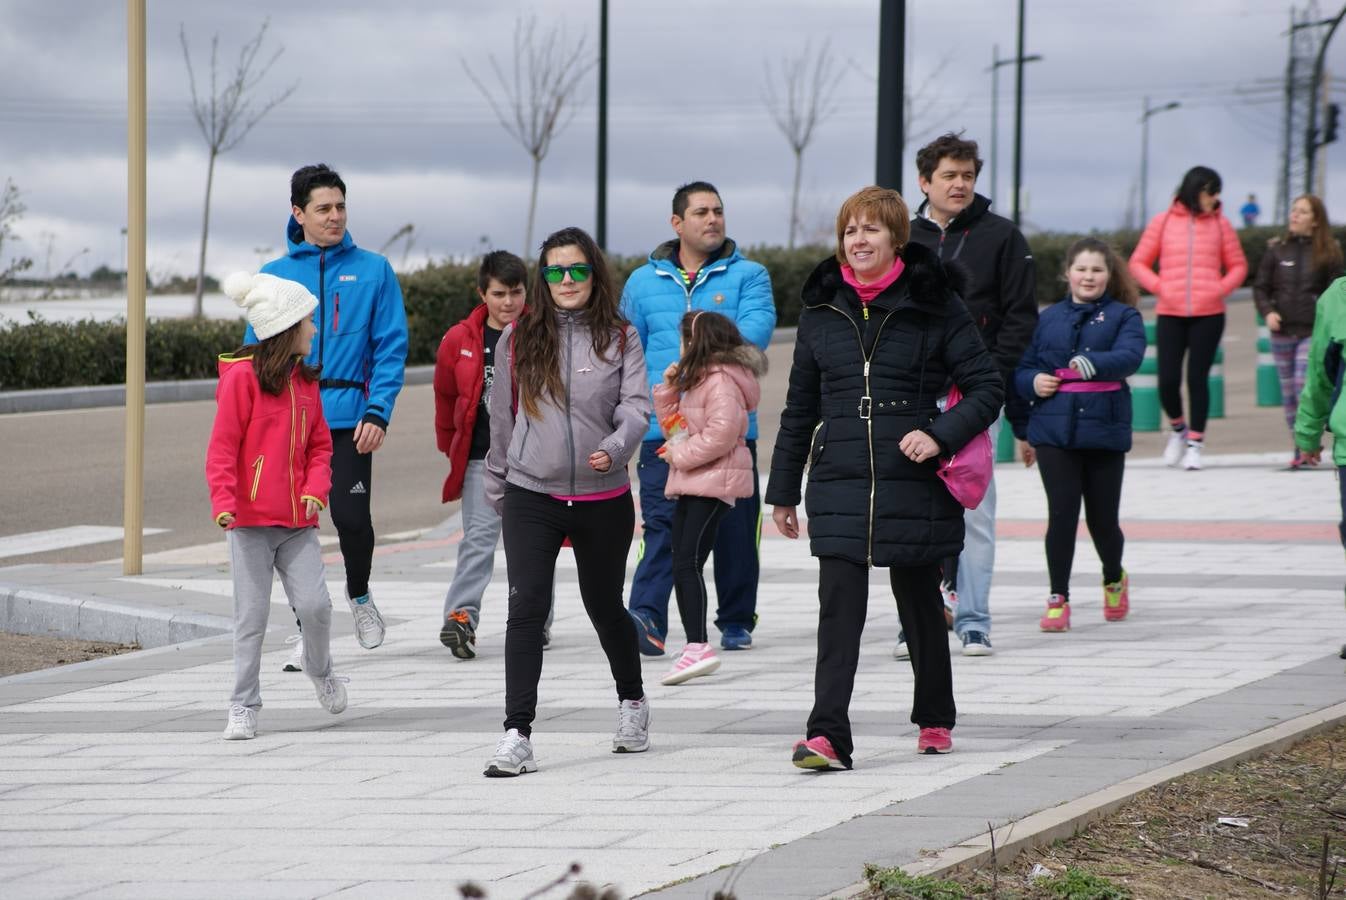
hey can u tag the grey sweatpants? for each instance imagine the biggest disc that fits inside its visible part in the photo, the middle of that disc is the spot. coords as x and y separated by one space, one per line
255 554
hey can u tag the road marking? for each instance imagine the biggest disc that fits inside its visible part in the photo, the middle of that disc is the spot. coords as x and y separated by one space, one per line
61 538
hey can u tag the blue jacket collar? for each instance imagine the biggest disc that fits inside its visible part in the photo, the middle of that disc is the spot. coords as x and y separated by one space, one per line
294 237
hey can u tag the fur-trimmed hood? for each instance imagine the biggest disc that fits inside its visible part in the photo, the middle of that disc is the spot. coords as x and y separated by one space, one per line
745 355
926 282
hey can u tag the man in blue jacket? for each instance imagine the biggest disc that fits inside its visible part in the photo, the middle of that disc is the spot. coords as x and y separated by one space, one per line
361 351
701 269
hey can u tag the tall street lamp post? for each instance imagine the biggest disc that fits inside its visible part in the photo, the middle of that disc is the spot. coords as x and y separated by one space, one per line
1145 151
996 63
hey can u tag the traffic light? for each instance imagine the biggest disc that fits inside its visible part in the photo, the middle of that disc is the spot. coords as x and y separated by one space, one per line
1330 127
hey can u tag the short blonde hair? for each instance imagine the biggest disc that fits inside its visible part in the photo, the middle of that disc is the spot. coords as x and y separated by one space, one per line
877 204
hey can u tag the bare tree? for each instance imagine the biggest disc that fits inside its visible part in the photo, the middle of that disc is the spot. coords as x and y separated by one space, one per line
11 210
809 82
227 114
536 98
924 111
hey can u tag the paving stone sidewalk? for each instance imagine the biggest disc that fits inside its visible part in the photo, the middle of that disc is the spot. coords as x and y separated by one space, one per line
114 781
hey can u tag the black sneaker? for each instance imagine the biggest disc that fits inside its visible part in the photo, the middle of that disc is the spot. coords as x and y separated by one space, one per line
459 635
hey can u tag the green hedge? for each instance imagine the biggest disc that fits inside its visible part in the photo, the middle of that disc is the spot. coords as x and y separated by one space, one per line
59 354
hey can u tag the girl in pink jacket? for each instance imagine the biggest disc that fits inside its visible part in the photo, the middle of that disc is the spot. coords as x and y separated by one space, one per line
702 406
1200 264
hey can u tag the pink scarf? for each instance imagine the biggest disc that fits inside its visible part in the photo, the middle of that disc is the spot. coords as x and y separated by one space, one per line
869 291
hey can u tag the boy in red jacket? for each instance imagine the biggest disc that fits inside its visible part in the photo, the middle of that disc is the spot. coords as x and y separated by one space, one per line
464 371
269 470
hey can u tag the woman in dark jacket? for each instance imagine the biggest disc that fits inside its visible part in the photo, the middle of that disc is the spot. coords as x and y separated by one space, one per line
881 336
1079 424
1294 272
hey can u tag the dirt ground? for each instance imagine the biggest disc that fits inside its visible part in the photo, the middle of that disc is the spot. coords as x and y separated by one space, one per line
1169 842
28 653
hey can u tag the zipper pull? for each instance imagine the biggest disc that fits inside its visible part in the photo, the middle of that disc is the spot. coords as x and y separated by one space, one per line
866 313
866 368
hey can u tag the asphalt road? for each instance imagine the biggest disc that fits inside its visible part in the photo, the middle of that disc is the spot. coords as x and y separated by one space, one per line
66 468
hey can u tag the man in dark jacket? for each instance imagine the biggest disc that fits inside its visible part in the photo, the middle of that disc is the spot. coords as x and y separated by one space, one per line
956 222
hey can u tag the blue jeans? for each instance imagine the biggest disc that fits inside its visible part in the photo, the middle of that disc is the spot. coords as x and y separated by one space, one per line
977 560
736 549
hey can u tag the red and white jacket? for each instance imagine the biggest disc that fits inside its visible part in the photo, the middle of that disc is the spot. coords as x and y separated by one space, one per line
267 453
459 378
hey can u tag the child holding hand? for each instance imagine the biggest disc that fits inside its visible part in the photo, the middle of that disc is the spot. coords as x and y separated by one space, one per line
268 467
702 406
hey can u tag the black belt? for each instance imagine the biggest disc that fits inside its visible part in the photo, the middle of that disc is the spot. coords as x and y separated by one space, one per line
341 383
865 407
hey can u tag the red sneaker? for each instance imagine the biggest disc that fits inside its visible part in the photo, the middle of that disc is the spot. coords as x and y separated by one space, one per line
934 740
1116 603
1057 616
816 753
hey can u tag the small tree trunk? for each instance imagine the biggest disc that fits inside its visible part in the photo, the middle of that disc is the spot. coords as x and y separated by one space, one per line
199 307
794 197
532 208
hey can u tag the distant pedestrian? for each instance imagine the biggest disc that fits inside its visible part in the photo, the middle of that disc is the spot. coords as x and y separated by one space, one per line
1200 264
1250 211
881 337
1079 426
464 372
1295 270
703 405
1323 403
361 352
268 467
700 269
569 407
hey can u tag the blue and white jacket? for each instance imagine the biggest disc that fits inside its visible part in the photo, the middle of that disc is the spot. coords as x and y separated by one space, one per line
361 345
1110 336
656 298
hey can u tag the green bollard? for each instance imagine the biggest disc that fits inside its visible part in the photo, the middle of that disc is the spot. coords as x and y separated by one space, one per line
1268 381
1145 388
1215 383
1004 444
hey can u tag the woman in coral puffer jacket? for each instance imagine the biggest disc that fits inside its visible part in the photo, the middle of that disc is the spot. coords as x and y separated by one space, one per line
1200 264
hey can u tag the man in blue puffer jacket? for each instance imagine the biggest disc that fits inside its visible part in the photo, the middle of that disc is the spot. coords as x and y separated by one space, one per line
361 351
701 269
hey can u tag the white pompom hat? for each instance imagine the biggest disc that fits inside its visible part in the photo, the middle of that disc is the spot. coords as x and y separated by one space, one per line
272 304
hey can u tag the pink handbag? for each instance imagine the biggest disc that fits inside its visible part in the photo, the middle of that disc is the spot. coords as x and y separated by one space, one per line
967 473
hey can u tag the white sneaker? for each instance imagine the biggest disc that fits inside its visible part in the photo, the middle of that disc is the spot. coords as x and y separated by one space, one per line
368 623
633 727
296 661
513 756
901 651
1177 442
331 692
242 723
1191 457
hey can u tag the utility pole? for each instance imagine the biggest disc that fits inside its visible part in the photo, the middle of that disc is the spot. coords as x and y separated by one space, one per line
996 63
133 494
1019 118
601 215
892 52
1311 142
1147 112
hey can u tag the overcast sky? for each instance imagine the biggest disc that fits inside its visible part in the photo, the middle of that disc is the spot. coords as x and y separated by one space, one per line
382 97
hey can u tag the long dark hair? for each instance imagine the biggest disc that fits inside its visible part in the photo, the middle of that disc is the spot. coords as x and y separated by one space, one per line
1326 250
536 352
707 337
1121 286
274 358
1197 179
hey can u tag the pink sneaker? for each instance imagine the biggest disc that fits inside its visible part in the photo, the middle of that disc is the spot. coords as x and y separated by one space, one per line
816 753
1057 616
695 659
1116 603
934 740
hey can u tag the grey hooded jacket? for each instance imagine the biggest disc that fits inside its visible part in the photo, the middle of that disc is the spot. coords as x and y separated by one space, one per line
606 407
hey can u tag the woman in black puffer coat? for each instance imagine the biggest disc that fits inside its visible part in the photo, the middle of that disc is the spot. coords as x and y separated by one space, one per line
881 337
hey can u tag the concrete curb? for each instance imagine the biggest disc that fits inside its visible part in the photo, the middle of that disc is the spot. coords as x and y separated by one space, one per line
27 611
1068 819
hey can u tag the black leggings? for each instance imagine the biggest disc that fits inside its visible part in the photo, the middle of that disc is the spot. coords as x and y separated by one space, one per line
600 531
696 520
843 595
1196 337
1095 476
352 485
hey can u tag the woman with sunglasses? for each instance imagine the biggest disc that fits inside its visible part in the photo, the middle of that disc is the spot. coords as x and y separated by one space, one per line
569 407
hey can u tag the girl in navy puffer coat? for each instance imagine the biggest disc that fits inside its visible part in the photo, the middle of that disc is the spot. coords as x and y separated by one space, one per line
1079 425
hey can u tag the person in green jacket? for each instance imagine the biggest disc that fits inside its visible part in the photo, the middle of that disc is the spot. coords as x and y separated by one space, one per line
1321 404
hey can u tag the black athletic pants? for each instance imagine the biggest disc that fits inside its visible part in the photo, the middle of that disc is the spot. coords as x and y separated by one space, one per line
1197 338
351 487
600 531
1094 476
696 521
